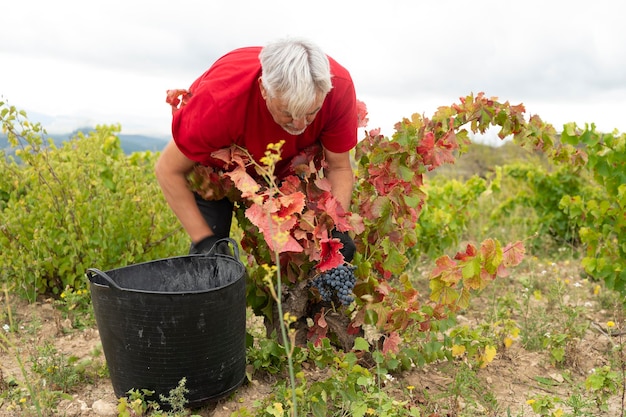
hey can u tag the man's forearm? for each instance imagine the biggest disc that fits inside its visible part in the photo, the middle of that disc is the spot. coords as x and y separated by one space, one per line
171 170
342 185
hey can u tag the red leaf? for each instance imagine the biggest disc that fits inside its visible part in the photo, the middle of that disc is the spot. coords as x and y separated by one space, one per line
502 271
244 182
323 184
307 161
447 269
470 252
173 100
353 329
318 331
291 204
275 230
411 296
232 156
330 256
361 110
383 288
359 319
392 343
356 223
492 255
425 148
384 178
290 184
328 204
513 254
437 153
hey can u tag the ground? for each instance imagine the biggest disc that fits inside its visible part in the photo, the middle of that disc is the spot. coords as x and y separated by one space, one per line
501 389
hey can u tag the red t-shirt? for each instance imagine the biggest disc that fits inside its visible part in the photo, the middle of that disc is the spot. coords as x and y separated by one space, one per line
226 108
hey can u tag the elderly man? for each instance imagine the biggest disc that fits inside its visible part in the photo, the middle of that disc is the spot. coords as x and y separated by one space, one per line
288 90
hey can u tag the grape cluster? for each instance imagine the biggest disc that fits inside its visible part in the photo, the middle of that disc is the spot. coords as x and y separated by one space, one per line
337 281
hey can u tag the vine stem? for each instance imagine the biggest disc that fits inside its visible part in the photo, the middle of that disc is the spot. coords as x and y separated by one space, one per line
288 349
277 294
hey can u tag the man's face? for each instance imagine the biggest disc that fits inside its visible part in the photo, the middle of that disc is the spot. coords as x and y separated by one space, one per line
292 124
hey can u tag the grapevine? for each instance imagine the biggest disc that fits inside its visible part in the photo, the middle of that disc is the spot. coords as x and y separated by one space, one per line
292 218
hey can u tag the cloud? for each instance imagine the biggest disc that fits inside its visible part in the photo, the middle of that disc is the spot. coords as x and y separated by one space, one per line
113 60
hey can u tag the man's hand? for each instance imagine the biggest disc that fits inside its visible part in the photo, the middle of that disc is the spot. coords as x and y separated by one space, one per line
349 248
203 246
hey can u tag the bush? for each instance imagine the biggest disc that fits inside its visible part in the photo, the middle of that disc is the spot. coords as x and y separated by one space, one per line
79 205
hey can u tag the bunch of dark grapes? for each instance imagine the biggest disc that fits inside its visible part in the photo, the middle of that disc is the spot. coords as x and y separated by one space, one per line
338 281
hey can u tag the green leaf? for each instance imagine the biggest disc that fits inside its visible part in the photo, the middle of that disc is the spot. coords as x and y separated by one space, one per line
594 382
442 293
471 268
361 344
319 408
358 409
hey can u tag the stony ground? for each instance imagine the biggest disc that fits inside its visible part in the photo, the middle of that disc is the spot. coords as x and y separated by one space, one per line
514 376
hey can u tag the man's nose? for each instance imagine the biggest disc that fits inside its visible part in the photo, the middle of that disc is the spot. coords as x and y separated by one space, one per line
299 123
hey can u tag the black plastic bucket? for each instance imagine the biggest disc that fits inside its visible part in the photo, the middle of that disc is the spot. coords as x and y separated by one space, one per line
174 318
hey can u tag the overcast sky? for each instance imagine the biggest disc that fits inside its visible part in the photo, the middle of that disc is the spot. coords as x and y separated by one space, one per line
76 63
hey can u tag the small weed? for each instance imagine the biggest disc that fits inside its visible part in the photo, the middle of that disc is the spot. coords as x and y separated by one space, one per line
546 405
57 371
136 403
469 393
267 356
602 384
76 306
580 406
177 398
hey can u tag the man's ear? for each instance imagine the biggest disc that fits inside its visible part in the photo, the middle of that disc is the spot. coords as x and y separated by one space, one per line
263 90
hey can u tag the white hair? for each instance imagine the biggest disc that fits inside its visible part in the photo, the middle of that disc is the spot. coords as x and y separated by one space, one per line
297 71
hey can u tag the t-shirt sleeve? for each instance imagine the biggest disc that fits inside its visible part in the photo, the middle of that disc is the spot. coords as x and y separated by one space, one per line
197 128
340 135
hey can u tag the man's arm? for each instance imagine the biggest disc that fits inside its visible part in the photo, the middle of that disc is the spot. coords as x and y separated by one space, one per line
171 172
339 173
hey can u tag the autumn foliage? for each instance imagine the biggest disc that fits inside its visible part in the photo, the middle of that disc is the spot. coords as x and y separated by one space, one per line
287 221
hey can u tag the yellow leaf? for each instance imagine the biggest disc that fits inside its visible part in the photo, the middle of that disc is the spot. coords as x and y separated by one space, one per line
458 350
508 342
514 333
488 355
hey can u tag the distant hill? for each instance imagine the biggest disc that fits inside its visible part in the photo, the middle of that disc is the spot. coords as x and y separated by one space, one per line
140 143
129 143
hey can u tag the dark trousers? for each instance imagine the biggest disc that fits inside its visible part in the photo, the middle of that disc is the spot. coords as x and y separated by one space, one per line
218 214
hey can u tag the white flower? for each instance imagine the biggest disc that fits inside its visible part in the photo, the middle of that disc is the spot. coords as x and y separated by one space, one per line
6 328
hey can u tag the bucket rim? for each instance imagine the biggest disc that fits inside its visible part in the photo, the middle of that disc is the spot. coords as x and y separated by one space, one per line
92 272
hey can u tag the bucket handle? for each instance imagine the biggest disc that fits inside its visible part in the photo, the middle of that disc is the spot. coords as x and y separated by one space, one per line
94 271
228 240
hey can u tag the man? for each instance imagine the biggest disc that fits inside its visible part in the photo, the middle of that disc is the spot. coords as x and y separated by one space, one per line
289 90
